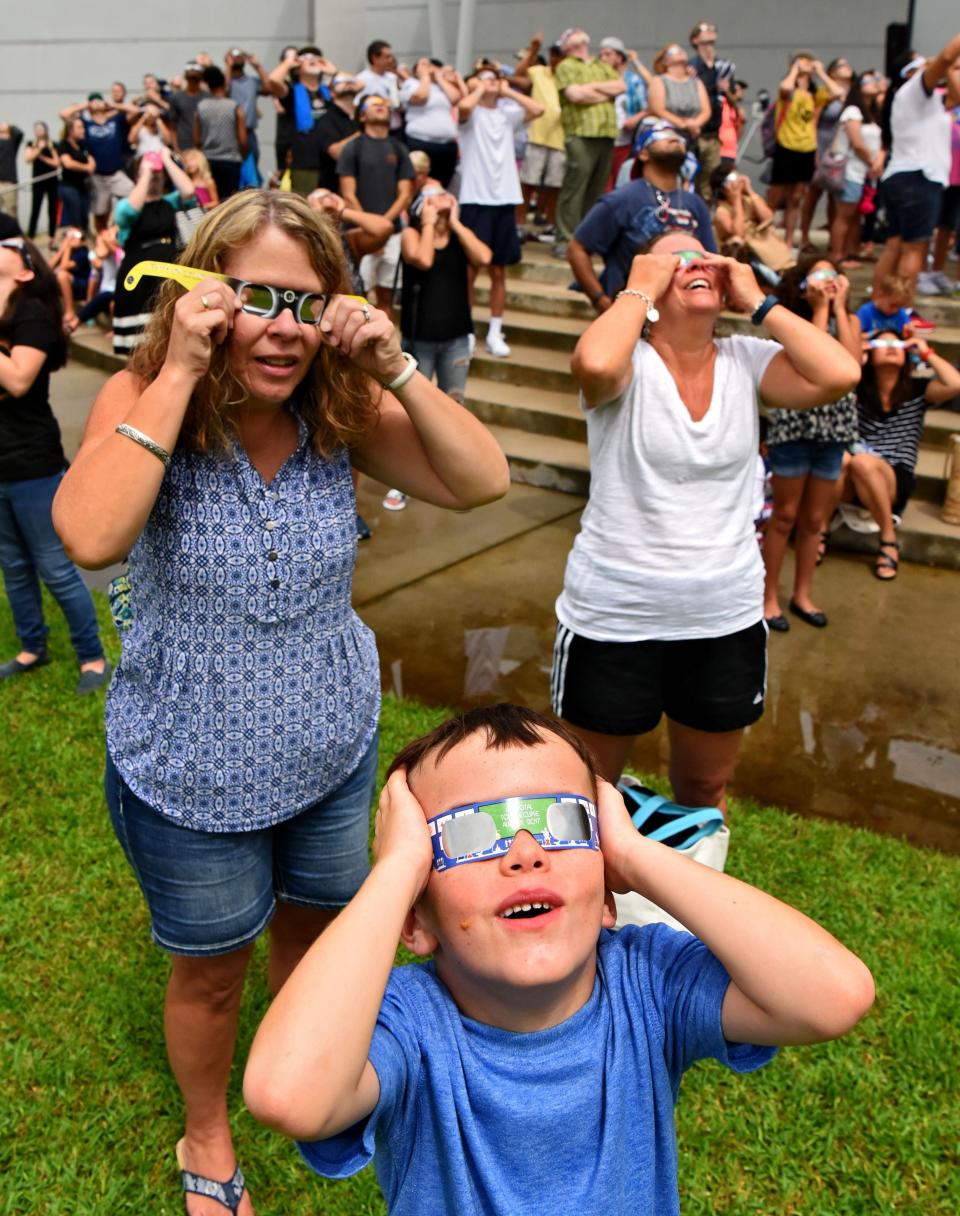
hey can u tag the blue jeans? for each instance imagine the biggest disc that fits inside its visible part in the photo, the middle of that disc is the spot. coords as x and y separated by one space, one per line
74 208
30 550
450 360
214 892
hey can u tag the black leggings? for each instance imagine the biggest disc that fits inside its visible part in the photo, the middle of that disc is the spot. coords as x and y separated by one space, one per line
45 190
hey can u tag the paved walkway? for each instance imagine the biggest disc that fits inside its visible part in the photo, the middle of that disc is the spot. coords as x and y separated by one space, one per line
862 722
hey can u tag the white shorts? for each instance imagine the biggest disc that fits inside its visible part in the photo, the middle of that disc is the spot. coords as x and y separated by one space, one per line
104 188
543 166
380 269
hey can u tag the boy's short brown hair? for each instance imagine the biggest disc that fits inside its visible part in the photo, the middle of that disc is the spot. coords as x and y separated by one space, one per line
504 725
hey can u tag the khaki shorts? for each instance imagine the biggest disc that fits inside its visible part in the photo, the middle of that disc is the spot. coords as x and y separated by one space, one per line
380 269
543 166
105 187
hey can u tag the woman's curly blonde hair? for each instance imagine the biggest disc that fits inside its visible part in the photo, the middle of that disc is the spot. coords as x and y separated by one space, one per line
336 399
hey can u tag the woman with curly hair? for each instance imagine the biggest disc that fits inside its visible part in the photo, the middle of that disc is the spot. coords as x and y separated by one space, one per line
806 447
242 723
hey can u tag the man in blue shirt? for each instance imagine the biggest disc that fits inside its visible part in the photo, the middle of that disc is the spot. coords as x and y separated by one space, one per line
529 1068
627 218
106 139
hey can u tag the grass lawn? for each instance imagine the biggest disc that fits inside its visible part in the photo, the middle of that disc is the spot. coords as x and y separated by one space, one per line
89 1114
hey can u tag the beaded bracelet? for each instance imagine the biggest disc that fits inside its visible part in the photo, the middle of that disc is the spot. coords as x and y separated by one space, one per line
145 441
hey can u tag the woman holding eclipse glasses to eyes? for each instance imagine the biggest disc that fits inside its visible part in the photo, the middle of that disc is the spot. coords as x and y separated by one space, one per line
662 605
242 721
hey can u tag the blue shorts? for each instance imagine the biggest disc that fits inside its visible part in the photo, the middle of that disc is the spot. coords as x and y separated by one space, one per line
851 192
214 892
912 203
496 226
806 458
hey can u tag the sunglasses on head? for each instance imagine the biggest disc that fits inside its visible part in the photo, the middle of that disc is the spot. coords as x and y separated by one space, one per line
18 243
480 831
257 299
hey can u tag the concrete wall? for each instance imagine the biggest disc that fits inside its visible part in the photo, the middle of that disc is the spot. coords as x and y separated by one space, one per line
54 53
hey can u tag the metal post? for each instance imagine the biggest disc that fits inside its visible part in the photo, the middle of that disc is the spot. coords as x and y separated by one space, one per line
438 36
465 36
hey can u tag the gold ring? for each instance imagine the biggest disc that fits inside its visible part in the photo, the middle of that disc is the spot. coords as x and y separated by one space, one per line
366 314
204 302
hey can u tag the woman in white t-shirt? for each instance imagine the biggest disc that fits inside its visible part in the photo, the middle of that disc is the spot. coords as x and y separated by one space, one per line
858 137
429 97
662 603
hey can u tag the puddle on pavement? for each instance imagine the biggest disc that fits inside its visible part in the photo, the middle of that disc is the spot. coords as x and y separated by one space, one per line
890 764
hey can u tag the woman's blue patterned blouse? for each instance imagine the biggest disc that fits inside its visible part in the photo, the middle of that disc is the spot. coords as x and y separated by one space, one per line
248 687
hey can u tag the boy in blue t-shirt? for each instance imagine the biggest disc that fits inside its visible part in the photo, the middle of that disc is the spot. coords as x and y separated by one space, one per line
889 308
529 1067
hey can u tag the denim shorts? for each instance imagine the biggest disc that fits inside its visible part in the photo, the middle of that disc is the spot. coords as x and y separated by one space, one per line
912 204
806 458
851 192
214 892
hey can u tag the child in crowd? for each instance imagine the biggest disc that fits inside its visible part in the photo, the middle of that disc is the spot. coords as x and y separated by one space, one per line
534 1064
198 170
889 308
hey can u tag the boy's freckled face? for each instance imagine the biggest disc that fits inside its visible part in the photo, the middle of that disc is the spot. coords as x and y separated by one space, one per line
463 908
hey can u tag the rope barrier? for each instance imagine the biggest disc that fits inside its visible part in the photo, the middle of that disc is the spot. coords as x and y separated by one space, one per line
30 182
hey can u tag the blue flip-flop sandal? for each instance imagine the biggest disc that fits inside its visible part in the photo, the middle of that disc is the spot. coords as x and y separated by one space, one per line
228 1194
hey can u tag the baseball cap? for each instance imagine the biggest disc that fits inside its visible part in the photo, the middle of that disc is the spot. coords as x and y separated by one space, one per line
192 68
613 44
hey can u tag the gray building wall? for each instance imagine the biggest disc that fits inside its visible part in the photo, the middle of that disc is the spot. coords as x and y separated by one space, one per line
54 53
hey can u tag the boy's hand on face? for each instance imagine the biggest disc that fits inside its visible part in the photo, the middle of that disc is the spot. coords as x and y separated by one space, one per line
618 836
401 830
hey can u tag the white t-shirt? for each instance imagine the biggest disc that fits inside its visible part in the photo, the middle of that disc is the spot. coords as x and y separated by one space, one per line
386 85
920 125
667 548
488 164
870 135
433 121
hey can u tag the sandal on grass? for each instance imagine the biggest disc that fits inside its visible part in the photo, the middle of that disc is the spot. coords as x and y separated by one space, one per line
228 1194
885 567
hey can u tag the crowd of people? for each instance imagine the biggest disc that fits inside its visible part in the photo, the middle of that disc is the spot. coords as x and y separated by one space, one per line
283 337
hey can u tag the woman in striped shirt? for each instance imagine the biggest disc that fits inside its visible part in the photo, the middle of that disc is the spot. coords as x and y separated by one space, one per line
891 403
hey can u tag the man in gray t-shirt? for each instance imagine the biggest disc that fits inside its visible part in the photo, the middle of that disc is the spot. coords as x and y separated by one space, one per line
244 89
183 106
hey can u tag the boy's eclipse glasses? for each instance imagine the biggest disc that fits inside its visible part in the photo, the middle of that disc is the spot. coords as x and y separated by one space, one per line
481 830
257 299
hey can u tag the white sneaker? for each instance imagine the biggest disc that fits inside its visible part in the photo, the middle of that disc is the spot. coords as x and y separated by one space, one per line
497 346
928 283
946 284
394 500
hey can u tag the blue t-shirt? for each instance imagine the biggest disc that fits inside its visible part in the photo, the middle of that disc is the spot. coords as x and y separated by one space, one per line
108 143
624 219
872 319
575 1119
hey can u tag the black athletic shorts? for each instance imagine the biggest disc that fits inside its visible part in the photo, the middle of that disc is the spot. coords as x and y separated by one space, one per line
623 688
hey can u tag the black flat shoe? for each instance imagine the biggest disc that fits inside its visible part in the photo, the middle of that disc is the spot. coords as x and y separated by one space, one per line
816 619
779 624
15 668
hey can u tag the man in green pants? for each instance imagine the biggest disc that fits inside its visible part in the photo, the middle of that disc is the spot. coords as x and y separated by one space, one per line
587 88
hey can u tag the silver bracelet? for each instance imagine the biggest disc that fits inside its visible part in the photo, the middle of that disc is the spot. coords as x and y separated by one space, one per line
407 374
145 441
653 313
